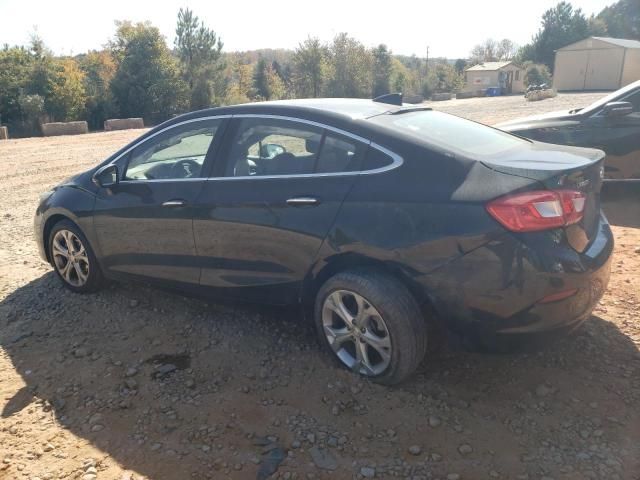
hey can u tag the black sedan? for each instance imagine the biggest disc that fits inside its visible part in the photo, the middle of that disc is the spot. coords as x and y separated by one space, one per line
374 218
611 124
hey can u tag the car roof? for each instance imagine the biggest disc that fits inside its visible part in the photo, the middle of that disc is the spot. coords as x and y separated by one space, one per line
329 108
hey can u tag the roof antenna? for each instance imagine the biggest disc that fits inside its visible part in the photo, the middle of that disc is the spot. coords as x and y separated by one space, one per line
390 98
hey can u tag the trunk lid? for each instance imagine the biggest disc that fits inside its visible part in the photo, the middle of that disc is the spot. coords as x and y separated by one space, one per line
560 167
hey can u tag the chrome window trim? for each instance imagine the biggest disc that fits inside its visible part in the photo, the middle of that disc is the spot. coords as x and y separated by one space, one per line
396 160
303 120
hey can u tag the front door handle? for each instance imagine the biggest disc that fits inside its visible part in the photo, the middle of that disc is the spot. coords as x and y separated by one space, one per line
302 201
174 203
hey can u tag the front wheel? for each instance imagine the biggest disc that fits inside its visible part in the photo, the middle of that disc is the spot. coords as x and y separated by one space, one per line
372 324
73 259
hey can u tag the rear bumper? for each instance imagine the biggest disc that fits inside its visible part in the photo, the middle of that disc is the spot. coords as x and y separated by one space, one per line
496 290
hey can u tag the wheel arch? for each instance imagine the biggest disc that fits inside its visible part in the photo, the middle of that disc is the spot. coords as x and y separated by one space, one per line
49 223
353 261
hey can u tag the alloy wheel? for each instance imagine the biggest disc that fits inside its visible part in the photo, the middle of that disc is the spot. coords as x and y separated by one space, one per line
70 258
356 332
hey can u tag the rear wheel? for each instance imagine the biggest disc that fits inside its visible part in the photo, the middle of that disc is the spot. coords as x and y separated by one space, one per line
372 324
73 258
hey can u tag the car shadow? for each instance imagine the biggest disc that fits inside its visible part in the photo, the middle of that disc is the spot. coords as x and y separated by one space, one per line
621 203
171 387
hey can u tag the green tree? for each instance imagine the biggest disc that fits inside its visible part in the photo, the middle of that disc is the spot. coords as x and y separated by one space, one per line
276 87
240 81
560 26
43 73
147 82
99 69
382 70
200 52
32 109
260 81
460 65
536 74
351 66
399 80
622 19
68 96
442 78
311 67
16 64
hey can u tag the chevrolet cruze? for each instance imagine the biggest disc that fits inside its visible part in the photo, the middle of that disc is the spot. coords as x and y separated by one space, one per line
373 216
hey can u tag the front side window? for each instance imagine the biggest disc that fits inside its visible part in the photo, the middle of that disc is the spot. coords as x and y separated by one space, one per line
177 153
635 101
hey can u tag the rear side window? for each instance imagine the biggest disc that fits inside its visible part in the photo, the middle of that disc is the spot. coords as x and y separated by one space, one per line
276 147
451 133
339 154
273 147
376 159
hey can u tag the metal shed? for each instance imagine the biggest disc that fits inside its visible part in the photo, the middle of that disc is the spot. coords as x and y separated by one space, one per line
597 63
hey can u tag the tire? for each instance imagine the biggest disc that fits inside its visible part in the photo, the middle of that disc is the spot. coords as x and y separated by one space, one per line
85 275
403 329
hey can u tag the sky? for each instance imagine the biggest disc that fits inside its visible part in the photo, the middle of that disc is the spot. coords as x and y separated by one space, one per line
449 28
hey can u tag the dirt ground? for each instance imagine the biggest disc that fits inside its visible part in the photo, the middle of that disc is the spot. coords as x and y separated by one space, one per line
492 110
82 395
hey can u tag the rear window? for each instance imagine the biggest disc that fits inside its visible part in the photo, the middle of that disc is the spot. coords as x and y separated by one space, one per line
451 133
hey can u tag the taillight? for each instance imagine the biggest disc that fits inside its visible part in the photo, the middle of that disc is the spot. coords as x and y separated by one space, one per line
538 210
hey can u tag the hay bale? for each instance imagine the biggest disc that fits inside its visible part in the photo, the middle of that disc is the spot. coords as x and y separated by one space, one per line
412 98
537 95
4 133
64 128
122 124
439 97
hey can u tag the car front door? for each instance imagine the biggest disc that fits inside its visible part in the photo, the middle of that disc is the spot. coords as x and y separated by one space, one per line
262 217
619 136
144 224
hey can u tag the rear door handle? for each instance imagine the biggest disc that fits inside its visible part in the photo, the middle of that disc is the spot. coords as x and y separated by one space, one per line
302 201
174 203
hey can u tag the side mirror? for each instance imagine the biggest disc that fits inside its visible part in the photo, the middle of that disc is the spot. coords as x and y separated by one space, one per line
617 109
106 177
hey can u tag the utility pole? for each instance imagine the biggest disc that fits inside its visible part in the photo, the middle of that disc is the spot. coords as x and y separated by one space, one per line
426 68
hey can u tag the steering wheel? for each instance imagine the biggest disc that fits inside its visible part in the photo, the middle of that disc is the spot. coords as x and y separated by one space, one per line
186 168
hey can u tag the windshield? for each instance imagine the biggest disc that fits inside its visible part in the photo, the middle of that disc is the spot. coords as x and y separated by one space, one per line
617 96
451 133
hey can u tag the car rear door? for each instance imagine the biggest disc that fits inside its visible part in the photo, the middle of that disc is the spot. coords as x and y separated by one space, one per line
144 224
276 189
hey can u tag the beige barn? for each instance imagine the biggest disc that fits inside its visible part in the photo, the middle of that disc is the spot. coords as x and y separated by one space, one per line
507 76
597 63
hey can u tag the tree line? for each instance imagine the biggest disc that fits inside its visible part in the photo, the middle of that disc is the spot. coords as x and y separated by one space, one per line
560 26
138 75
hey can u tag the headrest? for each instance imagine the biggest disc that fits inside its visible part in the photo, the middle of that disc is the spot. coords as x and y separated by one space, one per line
312 145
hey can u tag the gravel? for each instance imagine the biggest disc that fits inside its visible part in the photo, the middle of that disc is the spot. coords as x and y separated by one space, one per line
231 374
